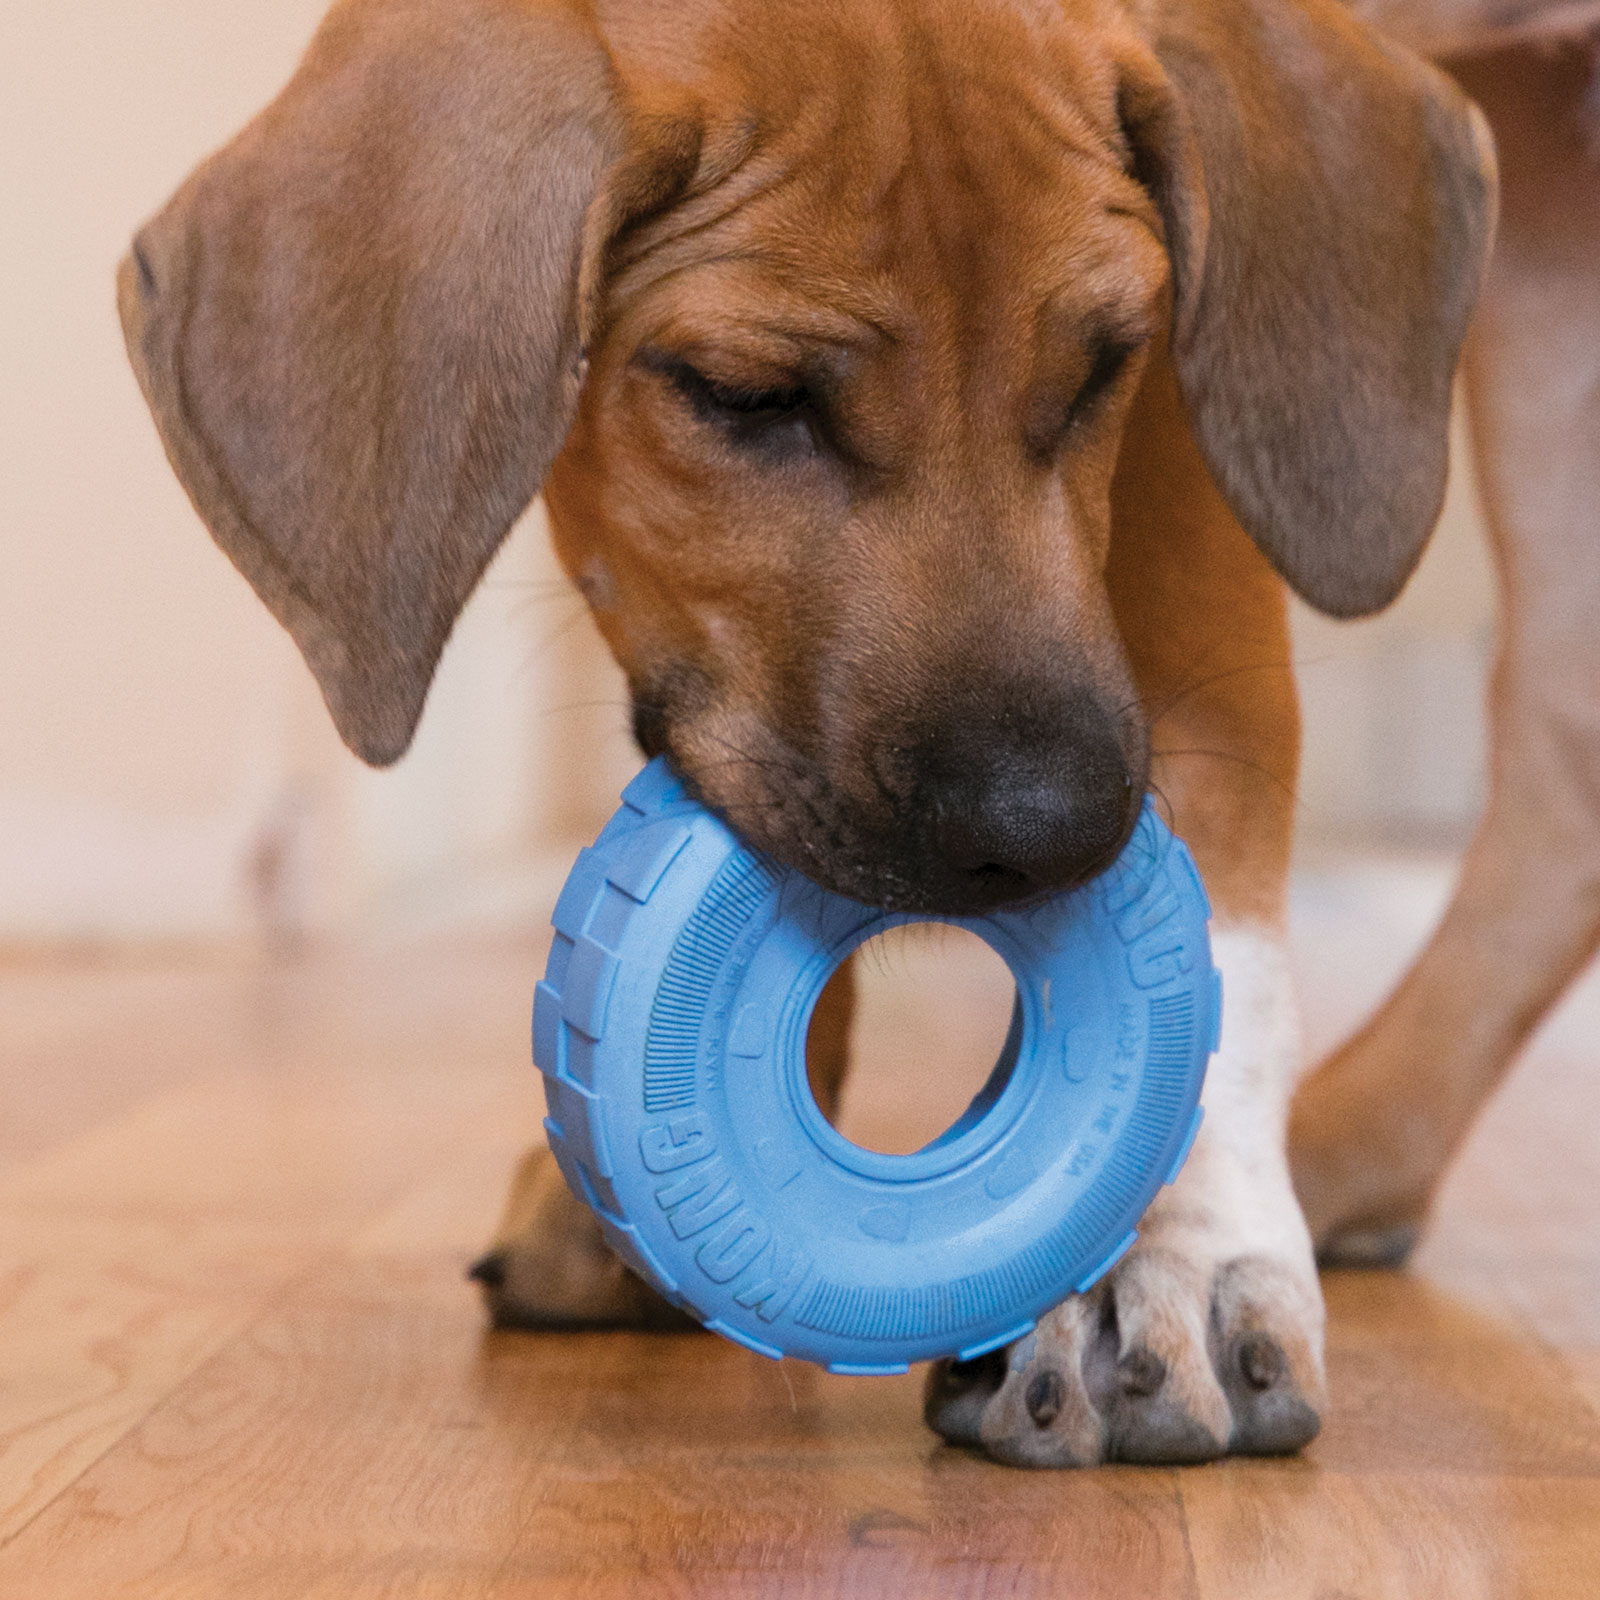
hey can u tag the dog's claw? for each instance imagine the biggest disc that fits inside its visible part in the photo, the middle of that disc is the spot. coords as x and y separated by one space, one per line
1261 1360
1045 1397
1068 1396
1141 1371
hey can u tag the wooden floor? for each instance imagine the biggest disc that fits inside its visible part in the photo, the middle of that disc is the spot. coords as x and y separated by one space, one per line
238 1359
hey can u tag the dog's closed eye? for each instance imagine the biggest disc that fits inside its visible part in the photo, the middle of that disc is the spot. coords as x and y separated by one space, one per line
763 414
1059 410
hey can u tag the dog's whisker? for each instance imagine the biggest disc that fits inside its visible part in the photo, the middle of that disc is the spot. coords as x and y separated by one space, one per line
1229 755
1197 685
1163 804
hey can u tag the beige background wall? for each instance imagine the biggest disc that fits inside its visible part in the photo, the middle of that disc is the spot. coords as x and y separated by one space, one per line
1395 735
166 770
165 765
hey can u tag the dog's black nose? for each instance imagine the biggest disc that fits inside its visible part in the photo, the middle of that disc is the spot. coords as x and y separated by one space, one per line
1025 802
1014 837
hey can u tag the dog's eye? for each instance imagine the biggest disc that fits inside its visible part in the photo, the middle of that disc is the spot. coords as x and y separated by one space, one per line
750 403
1052 424
748 411
1110 357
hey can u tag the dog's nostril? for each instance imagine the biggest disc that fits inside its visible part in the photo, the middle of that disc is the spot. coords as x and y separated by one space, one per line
1008 843
993 872
1030 793
1019 790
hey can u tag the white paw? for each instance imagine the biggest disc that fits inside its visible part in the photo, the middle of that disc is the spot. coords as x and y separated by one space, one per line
1207 1339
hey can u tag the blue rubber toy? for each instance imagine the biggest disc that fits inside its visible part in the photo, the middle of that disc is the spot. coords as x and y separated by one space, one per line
670 1028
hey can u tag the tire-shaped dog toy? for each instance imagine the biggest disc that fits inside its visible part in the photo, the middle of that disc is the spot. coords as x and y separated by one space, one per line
670 1028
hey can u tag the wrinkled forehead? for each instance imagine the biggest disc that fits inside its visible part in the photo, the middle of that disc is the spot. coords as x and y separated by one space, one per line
874 162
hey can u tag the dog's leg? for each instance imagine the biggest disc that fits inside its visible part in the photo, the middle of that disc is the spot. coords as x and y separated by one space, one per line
1376 1126
549 1266
1208 1337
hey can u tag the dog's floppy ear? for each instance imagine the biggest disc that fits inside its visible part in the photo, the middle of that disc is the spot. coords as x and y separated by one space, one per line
1329 205
359 326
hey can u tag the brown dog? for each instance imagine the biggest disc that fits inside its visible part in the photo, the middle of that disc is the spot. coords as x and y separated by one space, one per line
928 395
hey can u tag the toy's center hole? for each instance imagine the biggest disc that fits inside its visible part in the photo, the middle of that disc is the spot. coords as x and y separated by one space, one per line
932 1012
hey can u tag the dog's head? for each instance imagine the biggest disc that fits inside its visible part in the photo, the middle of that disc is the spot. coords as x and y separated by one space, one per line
824 323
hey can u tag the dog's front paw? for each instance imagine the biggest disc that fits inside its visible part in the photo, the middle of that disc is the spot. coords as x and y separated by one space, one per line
550 1267
1207 1339
1166 1362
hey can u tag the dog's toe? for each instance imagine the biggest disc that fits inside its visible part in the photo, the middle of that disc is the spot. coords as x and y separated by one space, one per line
1028 1406
1152 1422
1162 1398
1170 1362
1271 1415
1043 1414
957 1393
1266 1335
